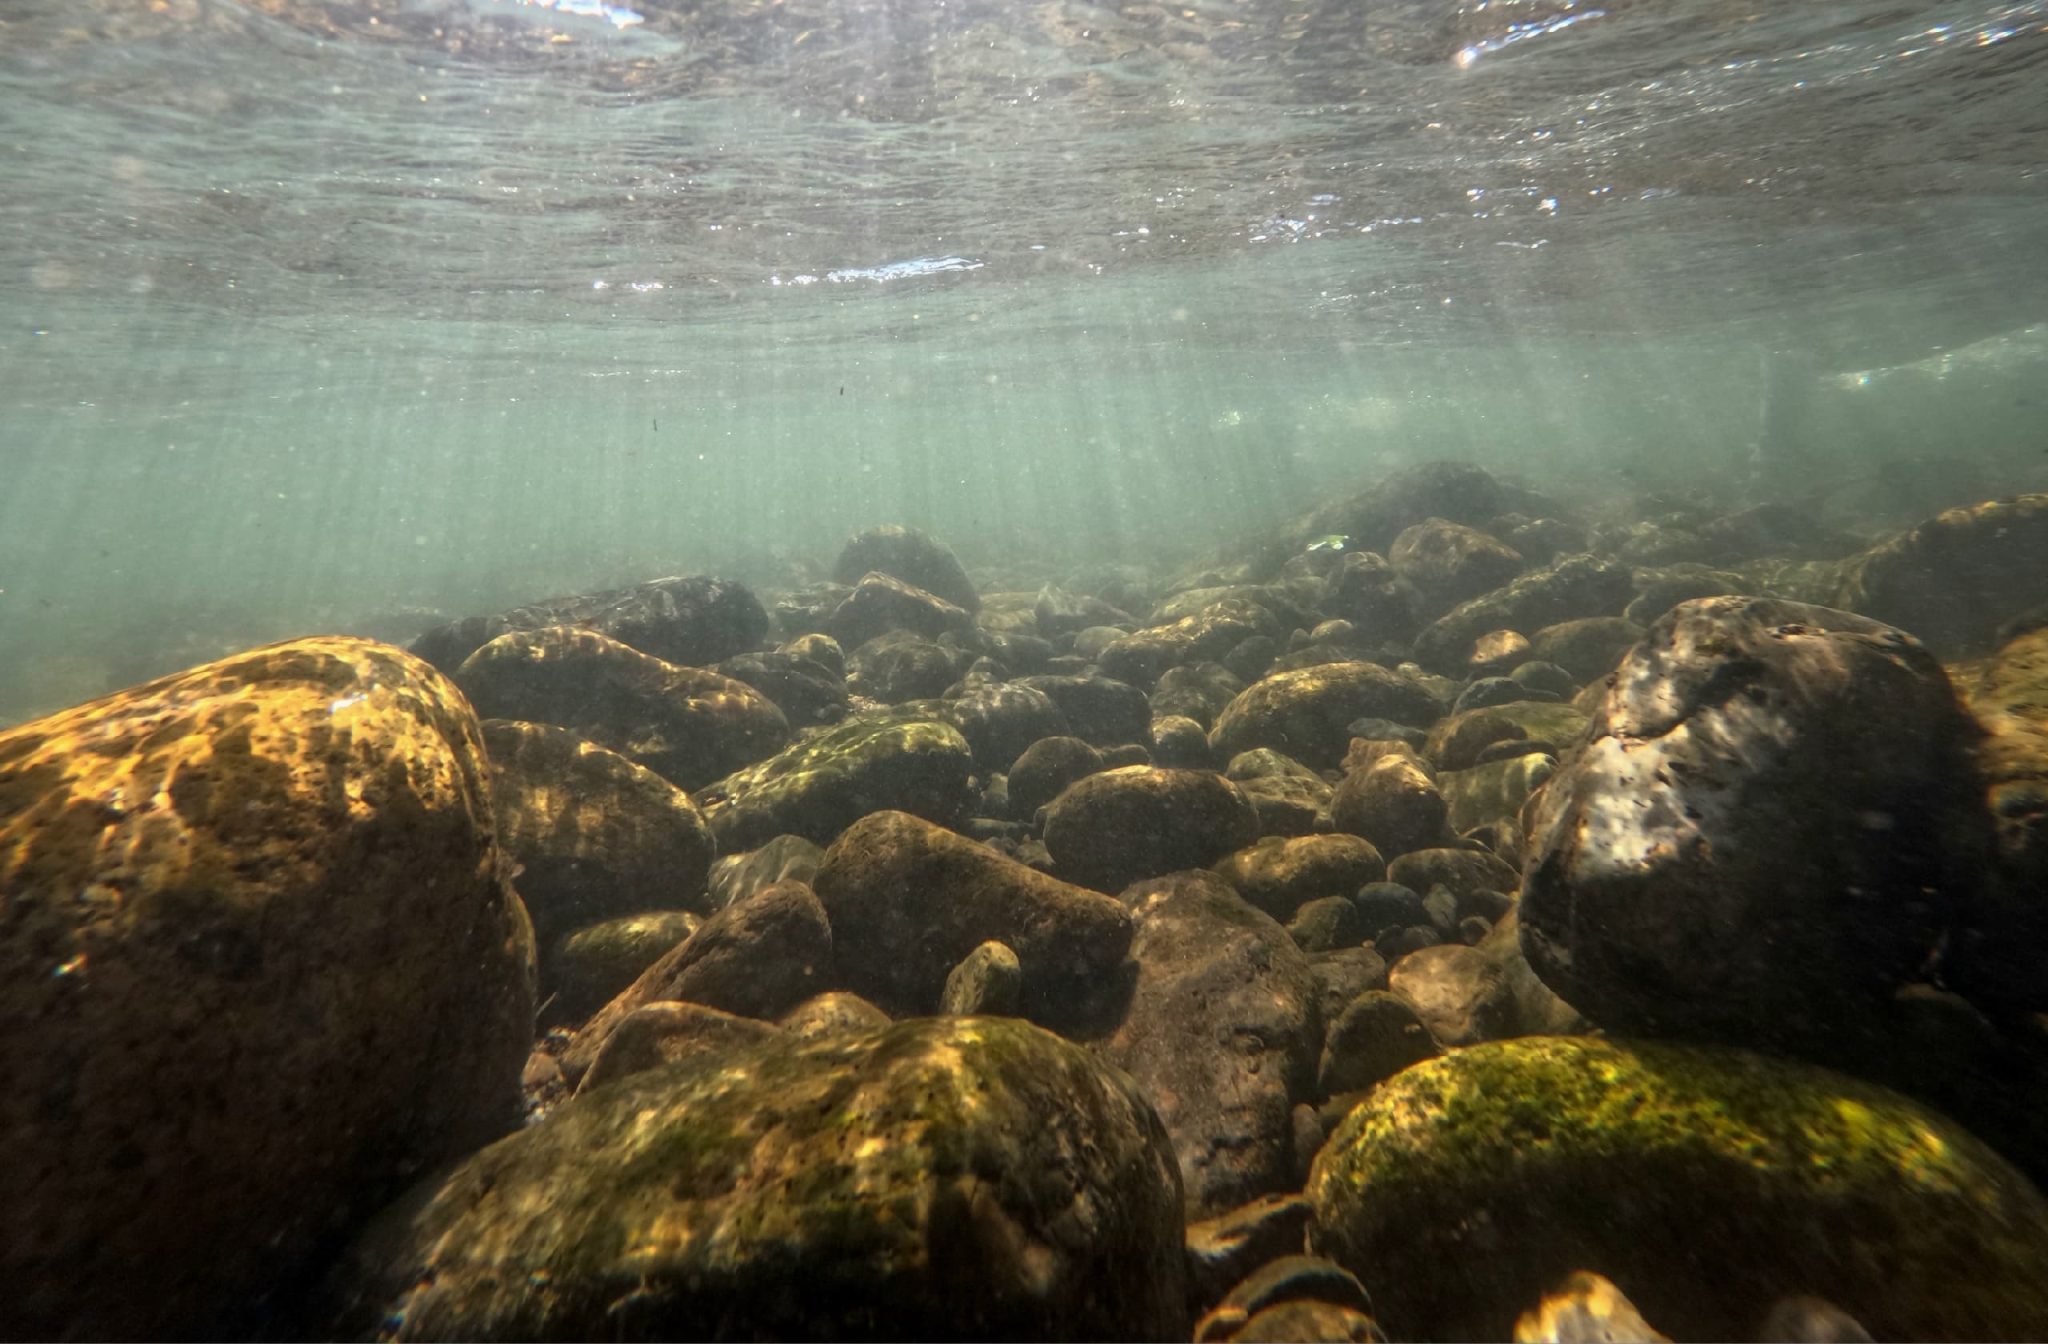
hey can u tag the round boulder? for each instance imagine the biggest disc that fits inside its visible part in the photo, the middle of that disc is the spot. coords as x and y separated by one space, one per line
1112 828
1305 713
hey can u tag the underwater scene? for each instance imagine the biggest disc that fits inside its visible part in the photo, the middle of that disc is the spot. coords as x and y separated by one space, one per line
1186 670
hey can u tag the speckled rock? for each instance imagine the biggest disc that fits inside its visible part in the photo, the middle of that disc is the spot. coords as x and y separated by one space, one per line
949 1177
665 1032
1576 586
690 621
260 963
1496 1171
1305 713
687 725
759 958
1112 828
1101 711
1221 1035
785 858
1762 838
879 604
1589 647
1955 578
592 966
909 900
594 835
2004 945
1393 802
826 782
910 555
1277 875
1449 563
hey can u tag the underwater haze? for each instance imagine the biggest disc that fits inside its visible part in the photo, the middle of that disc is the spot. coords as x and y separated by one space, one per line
345 314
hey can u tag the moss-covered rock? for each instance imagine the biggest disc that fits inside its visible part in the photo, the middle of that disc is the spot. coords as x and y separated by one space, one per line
1305 713
1110 829
1450 563
258 961
823 784
685 724
1456 741
1576 586
591 966
2005 945
667 1032
1277 874
691 621
1467 1187
948 1177
1589 647
910 555
1954 579
594 835
909 901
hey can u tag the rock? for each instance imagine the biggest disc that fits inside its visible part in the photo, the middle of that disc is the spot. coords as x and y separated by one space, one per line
1398 943
1112 828
1497 1170
2004 943
898 667
1252 659
1204 636
1296 1297
786 858
1390 905
759 958
1373 517
1376 1036
1587 648
1953 579
1180 744
1545 677
955 1177
1465 872
1220 1035
664 1032
823 650
595 836
1393 803
686 725
1811 1320
803 613
691 622
1587 1308
1460 994
807 691
910 556
1100 711
908 901
1494 791
832 1013
260 965
1304 713
1367 592
1496 652
1760 840
1578 585
1542 540
1456 742
592 966
1223 1250
828 781
879 604
1486 692
988 982
1659 590
1450 563
1046 768
1059 612
1536 1010
1326 923
1000 721
1277 875
1198 691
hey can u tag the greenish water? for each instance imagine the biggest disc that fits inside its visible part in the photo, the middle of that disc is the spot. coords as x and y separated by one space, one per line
317 312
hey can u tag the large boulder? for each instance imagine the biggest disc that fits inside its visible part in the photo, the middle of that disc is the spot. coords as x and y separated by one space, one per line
692 621
687 725
1450 563
1763 836
1221 1033
908 900
258 963
1306 713
1116 826
1465 1188
595 836
1954 579
823 784
912 556
973 1178
879 604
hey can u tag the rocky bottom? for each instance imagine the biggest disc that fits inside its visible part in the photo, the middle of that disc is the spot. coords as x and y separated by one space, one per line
1462 914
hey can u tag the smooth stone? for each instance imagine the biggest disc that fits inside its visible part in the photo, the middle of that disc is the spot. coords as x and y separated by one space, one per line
592 966
1450 563
1376 1036
1278 875
880 603
1223 1250
1465 872
1566 589
1179 743
834 1012
1392 803
1111 829
1101 711
664 1032
1585 1309
1460 994
1326 923
1342 974
1587 648
989 981
909 555
1304 713
786 858
1047 767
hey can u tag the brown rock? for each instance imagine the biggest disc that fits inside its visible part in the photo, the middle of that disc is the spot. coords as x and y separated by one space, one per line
1113 828
664 1032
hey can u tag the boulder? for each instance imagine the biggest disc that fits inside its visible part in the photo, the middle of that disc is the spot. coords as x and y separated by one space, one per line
1576 586
259 964
691 621
1304 713
1277 875
1112 828
1450 563
909 555
591 966
1954 579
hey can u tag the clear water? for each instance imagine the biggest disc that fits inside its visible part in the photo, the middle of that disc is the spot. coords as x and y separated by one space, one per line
321 310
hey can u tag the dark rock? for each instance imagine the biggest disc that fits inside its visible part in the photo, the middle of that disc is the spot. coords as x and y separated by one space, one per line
689 621
808 692
908 555
1587 648
594 835
759 958
803 613
1449 563
1377 1035
1199 691
1954 579
1091 642
1001 720
260 965
1402 942
1180 744
786 858
1304 713
1372 518
1220 1035
1542 540
1269 1303
1442 909
1578 585
828 781
1658 591
1386 730
1250 660
1497 1170
687 725
1306 1319
1045 768
1540 676
1025 655
1130 753
909 901
880 604
592 966
1455 743
1342 974
823 650
1222 1250
1805 1319
899 667
1110 829
1458 992
949 1177
1393 803
1385 905
2003 943
1100 711
1760 840
1487 692
661 1033
1496 652
1278 875
1366 591
834 1013
988 981
1465 872
1327 923
1208 634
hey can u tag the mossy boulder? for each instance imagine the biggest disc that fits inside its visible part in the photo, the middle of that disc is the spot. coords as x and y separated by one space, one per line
1576 586
591 966
1450 563
594 835
942 1178
687 725
258 963
910 555
1277 875
1954 579
909 900
2005 945
1110 829
1494 791
692 621
1467 1187
823 784
1306 713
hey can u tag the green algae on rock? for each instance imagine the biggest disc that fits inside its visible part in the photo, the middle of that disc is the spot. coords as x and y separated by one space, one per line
1465 1188
1305 713
816 788
258 962
1110 829
591 965
2005 944
942 1178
